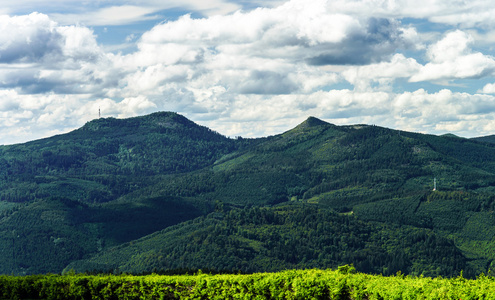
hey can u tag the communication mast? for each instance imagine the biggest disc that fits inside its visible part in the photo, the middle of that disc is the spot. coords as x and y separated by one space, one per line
99 113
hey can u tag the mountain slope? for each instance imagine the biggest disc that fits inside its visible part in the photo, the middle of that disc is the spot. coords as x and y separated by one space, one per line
115 182
380 174
107 158
338 167
284 237
485 139
90 168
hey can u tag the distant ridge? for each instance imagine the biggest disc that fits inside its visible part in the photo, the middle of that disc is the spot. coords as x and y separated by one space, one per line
158 119
486 139
451 135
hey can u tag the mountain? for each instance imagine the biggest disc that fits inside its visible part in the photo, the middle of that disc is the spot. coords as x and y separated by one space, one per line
160 192
486 139
88 164
283 237
60 194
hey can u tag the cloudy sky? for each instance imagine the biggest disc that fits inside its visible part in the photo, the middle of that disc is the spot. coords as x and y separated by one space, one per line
248 68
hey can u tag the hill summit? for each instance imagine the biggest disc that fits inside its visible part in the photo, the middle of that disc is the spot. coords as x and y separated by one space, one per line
154 120
311 122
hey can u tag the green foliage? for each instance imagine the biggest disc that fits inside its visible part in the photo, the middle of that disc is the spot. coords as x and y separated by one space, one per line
43 236
284 237
46 235
300 284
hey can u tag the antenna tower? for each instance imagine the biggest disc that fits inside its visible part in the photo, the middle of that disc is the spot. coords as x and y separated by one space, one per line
99 113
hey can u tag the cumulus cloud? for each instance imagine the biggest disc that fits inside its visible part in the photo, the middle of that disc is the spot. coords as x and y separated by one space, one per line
376 40
248 72
39 56
24 116
474 13
36 39
452 58
489 88
263 51
417 111
463 13
384 73
296 30
27 38
445 111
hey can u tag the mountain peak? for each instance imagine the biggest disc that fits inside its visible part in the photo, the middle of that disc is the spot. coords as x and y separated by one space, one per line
157 119
311 122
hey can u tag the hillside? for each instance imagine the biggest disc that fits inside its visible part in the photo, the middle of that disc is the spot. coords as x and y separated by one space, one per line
107 158
487 139
284 237
161 192
58 193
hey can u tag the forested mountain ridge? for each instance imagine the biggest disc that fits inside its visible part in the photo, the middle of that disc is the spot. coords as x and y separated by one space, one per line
103 152
53 191
284 237
318 195
486 139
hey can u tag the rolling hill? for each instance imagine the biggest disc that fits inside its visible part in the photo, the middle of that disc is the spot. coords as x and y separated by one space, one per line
160 192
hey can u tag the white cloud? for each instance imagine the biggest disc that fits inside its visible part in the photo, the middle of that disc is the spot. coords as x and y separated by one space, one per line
474 13
301 30
264 51
489 88
477 14
39 56
151 80
78 43
252 72
419 111
383 73
24 117
483 38
445 111
467 14
128 107
113 12
452 58
27 38
130 38
35 38
114 15
453 45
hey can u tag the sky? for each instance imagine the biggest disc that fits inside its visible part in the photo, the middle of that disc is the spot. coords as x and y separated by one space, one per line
248 68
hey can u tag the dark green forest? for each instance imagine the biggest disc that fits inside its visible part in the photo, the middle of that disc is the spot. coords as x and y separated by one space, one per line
283 237
159 192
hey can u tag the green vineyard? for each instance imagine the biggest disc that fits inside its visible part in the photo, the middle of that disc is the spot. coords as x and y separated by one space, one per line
343 283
